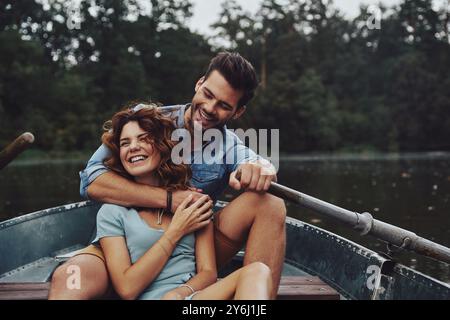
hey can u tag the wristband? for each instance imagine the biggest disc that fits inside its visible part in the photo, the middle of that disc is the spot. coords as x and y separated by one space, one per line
169 201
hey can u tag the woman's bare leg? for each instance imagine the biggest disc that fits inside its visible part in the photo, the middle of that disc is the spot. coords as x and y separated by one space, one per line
255 283
94 279
251 282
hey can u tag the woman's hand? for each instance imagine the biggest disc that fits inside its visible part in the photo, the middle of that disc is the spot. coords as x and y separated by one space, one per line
190 218
172 295
176 294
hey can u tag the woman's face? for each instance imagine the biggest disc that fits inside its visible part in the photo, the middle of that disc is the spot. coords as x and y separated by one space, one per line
137 154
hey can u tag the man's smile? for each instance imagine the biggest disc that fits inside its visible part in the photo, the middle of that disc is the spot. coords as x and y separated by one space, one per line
203 118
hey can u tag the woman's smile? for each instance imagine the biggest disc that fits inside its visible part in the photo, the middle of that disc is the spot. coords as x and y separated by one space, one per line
137 154
137 159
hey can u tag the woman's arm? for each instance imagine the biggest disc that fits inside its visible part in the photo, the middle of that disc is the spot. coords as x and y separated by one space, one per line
206 265
129 279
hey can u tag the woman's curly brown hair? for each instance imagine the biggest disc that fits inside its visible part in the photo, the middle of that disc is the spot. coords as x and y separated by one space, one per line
159 128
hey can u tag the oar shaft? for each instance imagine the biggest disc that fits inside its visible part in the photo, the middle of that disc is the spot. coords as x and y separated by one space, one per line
365 223
312 203
431 249
15 148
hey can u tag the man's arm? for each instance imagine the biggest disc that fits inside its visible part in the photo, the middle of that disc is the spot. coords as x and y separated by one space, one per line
112 188
101 184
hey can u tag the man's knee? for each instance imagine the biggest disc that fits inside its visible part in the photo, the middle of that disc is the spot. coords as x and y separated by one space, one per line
277 206
268 206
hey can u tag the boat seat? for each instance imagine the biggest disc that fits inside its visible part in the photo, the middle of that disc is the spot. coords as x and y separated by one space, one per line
305 288
24 290
291 288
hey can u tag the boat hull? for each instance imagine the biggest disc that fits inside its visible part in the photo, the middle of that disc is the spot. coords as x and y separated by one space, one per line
30 243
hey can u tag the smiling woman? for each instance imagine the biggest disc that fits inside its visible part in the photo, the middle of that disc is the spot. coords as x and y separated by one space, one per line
139 132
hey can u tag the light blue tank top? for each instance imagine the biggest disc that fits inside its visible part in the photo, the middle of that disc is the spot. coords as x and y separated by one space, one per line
113 221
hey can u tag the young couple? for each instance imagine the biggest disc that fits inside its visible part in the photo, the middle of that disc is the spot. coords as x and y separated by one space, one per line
155 238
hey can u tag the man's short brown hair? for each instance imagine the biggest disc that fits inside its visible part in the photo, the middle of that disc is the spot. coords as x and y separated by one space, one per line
238 72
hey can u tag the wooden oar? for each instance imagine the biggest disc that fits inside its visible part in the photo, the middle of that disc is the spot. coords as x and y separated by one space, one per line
364 223
15 148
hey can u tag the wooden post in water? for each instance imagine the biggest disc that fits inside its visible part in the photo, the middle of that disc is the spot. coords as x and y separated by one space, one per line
15 148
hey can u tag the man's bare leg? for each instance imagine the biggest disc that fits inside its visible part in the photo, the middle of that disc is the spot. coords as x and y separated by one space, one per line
94 280
259 218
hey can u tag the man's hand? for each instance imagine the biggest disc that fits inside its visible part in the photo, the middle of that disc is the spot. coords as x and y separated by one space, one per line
180 195
254 176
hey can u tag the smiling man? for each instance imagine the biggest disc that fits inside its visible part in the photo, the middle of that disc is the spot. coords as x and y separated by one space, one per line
216 102
255 218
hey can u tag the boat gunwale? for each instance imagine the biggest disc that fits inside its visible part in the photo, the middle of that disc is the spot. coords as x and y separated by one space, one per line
399 268
358 249
45 212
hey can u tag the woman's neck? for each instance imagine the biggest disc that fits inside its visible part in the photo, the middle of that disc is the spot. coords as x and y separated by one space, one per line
150 179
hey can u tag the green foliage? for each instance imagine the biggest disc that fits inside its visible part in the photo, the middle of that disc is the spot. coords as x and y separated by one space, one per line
62 82
327 83
333 84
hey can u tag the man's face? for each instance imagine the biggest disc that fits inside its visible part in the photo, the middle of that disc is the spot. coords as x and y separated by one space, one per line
215 102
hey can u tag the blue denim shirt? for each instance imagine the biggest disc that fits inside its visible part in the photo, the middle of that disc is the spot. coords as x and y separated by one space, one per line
211 177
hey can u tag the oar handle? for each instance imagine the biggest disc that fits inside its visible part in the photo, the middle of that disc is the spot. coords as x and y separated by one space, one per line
15 148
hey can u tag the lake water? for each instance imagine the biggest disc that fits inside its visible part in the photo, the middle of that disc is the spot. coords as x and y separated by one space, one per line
410 191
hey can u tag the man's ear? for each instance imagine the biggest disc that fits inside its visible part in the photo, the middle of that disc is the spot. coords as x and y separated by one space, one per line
239 112
199 83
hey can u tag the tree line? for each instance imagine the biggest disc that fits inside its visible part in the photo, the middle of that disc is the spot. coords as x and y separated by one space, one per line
329 83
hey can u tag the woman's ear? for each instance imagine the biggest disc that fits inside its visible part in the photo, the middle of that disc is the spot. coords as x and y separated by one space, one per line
199 83
239 112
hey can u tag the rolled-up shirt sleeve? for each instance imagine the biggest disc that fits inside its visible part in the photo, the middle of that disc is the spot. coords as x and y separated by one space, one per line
94 169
